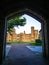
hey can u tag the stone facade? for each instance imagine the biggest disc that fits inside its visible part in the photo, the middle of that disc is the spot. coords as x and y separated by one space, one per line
23 37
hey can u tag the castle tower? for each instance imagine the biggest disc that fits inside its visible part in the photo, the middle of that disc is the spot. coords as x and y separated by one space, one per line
32 34
32 31
32 28
36 34
24 32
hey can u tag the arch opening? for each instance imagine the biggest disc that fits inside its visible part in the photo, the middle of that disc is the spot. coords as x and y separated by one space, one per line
35 16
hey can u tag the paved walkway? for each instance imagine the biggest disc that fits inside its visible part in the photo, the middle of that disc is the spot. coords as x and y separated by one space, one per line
19 54
36 49
8 47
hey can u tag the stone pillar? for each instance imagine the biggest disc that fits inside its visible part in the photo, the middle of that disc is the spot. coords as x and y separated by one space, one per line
43 40
2 40
47 44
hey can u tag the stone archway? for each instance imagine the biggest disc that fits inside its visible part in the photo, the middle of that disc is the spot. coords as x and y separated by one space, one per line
39 7
36 16
39 18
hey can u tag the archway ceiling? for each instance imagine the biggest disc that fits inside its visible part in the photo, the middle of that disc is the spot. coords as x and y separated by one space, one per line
39 6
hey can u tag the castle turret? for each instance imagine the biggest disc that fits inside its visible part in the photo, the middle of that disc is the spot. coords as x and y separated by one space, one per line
32 31
36 34
24 32
32 28
32 34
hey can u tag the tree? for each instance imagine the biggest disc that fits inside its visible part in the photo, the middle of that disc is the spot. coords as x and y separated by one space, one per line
16 21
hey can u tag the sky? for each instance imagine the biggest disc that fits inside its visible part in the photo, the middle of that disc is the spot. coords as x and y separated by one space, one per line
30 22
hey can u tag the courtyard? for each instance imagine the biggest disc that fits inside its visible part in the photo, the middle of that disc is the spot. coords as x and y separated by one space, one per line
21 54
36 49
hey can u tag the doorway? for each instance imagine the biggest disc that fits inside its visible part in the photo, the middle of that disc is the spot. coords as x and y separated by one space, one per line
43 39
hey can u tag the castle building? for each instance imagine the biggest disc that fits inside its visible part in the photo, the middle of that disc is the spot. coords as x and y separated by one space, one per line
22 37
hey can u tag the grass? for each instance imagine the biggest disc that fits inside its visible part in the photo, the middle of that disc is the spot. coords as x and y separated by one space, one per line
17 42
31 43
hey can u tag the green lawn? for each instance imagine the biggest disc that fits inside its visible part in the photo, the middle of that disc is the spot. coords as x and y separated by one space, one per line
31 43
17 42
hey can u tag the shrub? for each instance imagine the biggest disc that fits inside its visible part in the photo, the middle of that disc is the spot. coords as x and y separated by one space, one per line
38 42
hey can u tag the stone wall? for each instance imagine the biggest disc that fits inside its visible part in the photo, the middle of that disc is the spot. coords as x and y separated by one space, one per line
22 37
